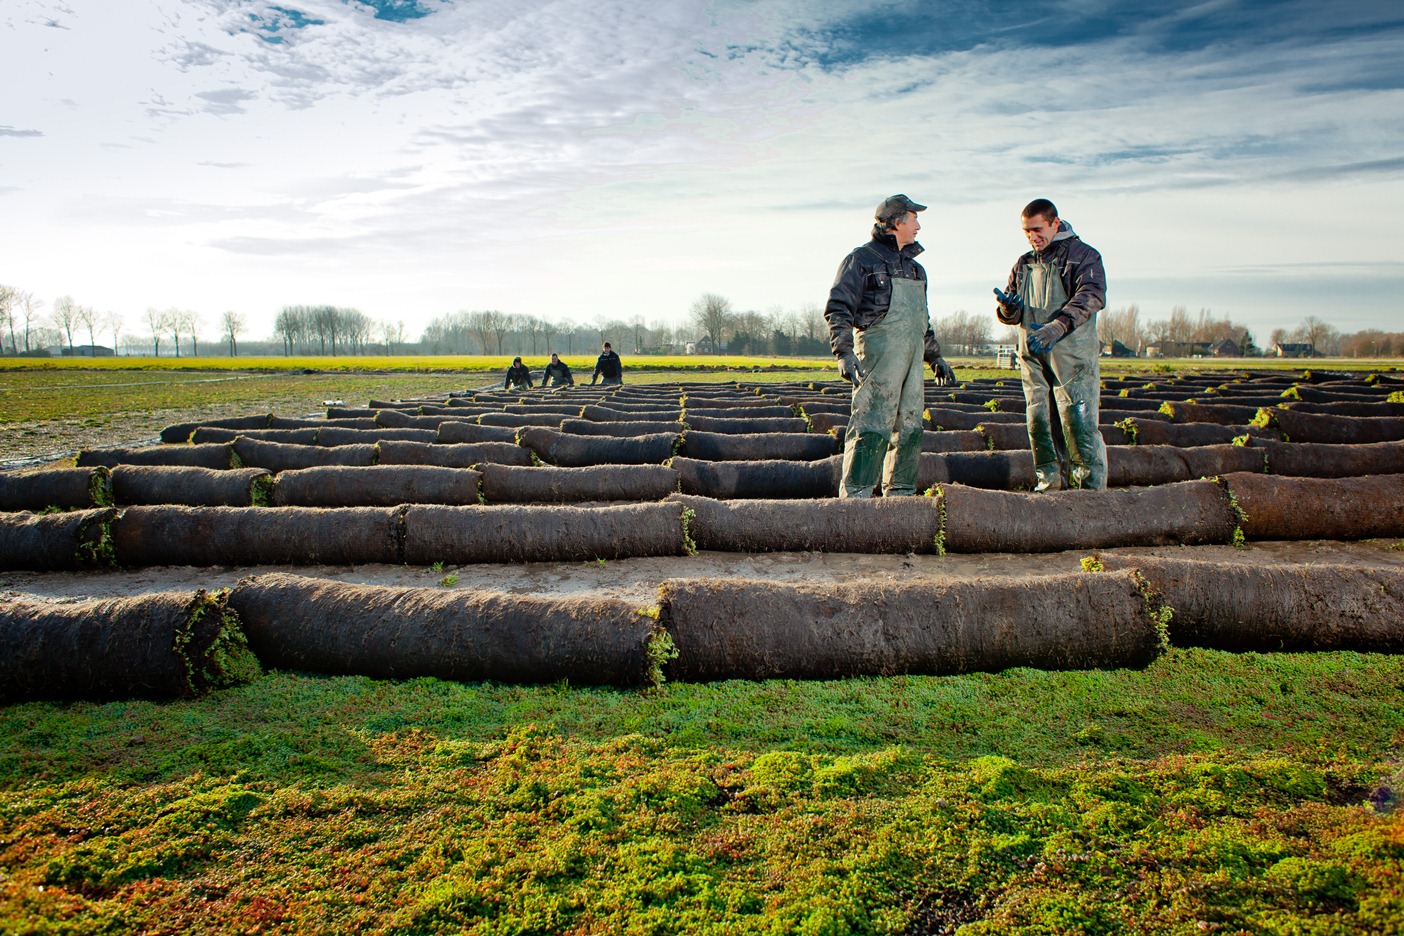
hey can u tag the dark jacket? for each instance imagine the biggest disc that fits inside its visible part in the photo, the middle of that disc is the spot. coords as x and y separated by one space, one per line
862 290
558 372
517 375
1081 271
608 367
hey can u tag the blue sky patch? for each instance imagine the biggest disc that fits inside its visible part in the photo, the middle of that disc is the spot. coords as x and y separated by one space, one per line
277 19
395 11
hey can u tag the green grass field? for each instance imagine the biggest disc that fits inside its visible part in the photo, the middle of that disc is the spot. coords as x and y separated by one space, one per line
1208 793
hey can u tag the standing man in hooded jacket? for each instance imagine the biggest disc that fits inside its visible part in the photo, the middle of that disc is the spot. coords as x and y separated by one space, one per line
1053 294
608 368
880 332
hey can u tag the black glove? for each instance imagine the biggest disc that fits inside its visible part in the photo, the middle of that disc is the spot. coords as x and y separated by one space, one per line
944 375
1011 303
1042 339
849 368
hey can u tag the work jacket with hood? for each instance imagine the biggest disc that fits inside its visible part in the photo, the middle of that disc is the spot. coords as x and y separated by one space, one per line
1080 269
517 375
862 290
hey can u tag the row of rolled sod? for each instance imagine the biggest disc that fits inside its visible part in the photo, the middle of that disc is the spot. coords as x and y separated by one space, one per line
666 470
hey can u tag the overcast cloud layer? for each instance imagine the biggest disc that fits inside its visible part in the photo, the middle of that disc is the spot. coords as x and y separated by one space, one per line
588 158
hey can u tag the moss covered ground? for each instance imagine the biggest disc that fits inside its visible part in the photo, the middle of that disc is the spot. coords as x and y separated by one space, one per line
1208 793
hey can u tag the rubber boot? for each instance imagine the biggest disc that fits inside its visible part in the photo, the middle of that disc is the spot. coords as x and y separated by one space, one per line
902 467
1050 477
862 465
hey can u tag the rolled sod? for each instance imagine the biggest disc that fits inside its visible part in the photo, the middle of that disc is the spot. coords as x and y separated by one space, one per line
276 457
56 542
1338 430
759 479
298 422
1000 436
1003 471
192 487
828 422
234 536
504 484
376 486
741 426
455 433
336 436
942 417
620 429
207 435
313 625
1349 409
652 414
1190 513
1322 460
1185 435
1269 607
736 629
156 646
561 409
760 446
1227 414
180 432
567 450
1281 508
457 455
351 412
958 440
510 533
864 525
737 412
517 420
813 407
64 488
194 456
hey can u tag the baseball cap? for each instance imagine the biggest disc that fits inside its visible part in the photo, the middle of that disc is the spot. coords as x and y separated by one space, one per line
894 206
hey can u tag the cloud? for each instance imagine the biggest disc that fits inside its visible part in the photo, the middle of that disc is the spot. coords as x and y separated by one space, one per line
14 132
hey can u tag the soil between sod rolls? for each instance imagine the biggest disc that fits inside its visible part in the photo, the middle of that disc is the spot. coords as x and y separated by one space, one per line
728 629
399 633
161 645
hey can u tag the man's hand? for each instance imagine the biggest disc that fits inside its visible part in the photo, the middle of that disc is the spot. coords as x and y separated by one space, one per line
944 375
1012 302
1042 339
849 368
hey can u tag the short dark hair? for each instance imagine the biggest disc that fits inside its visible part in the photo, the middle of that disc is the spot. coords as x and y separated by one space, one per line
606 344
1041 206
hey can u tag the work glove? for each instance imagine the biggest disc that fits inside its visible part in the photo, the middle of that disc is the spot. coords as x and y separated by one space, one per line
849 368
1012 302
1042 339
943 372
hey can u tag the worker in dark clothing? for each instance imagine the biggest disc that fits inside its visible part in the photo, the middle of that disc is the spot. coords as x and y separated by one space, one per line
518 376
880 332
1053 295
557 374
608 368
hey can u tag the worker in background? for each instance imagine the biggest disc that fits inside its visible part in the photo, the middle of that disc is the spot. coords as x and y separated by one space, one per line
518 376
1053 294
608 368
880 332
557 374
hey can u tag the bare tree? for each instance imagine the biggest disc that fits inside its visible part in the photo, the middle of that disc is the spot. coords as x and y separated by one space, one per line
87 317
29 307
66 317
232 323
711 314
191 322
8 295
174 319
156 321
112 322
1318 334
500 325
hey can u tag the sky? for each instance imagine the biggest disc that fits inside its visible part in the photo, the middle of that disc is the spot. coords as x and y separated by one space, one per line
588 159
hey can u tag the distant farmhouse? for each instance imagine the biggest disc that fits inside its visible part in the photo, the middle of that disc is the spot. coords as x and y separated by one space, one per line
1303 350
82 350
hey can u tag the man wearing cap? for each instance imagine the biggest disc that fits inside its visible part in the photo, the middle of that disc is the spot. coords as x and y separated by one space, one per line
880 332
608 368
1053 295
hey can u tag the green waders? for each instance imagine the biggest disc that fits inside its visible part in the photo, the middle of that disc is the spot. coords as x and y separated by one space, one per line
1071 370
885 424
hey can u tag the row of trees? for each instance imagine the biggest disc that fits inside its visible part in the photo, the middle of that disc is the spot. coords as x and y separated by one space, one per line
713 326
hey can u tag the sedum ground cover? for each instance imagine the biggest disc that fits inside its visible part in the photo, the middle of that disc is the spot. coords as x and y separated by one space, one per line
1208 793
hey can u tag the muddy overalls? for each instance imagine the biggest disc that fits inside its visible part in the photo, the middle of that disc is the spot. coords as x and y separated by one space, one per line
885 423
1071 371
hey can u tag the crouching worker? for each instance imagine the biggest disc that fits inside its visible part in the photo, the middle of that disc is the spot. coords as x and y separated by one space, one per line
557 374
1053 295
880 332
518 376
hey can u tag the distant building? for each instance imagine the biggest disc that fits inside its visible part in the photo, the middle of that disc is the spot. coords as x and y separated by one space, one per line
1225 347
1117 350
1295 350
82 350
